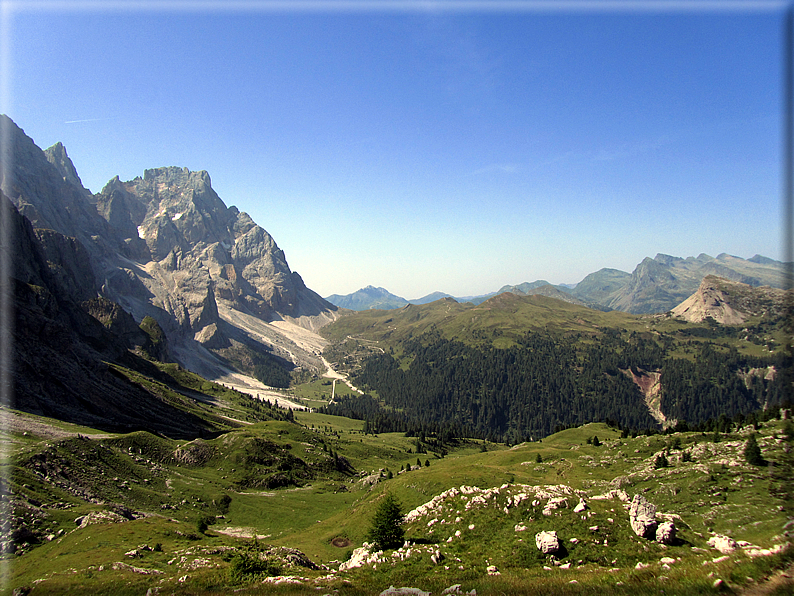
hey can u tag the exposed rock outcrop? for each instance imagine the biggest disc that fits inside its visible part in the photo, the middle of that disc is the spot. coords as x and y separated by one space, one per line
724 544
730 302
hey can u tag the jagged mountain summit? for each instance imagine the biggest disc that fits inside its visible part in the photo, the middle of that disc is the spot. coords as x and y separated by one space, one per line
175 223
165 245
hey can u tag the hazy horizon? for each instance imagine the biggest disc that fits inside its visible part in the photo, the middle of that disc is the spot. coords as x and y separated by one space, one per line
426 147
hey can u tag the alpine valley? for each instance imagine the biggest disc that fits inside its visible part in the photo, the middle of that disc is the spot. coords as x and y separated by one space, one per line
183 415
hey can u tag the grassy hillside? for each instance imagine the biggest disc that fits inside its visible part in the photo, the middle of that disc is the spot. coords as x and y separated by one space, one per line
505 317
216 515
497 320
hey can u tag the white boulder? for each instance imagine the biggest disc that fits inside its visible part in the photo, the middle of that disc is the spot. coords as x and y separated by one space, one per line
547 542
724 544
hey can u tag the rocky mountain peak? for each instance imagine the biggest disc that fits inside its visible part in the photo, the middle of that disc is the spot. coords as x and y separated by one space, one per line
58 157
164 245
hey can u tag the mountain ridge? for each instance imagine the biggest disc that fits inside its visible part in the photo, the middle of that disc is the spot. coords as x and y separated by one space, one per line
656 285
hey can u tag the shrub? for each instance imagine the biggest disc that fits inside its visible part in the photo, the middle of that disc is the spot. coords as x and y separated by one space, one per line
248 566
203 522
660 461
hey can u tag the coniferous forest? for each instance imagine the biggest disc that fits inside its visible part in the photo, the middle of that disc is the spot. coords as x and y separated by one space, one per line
546 381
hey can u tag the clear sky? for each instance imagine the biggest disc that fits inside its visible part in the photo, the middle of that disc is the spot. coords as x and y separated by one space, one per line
428 146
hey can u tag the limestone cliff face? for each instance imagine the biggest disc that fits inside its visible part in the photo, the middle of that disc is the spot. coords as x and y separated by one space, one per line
60 348
200 251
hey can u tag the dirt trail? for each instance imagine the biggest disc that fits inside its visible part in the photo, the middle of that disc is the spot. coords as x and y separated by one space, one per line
780 583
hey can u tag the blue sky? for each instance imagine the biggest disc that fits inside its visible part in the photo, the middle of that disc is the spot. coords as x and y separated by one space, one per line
425 149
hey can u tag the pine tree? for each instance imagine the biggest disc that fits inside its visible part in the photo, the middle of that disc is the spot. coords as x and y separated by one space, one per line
386 530
752 452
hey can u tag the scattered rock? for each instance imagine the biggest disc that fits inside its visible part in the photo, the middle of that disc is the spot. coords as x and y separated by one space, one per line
99 517
284 579
457 591
140 570
554 504
290 557
361 556
580 507
492 570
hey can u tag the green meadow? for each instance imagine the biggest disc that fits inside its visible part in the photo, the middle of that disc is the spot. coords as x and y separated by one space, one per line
314 485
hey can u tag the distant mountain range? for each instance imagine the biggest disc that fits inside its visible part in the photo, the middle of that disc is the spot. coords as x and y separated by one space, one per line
656 285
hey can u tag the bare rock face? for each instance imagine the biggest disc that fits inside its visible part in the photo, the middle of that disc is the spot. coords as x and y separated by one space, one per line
548 543
665 533
642 516
730 302
201 251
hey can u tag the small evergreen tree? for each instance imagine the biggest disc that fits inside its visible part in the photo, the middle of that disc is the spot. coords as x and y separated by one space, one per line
538 459
386 530
752 452
660 461
596 442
